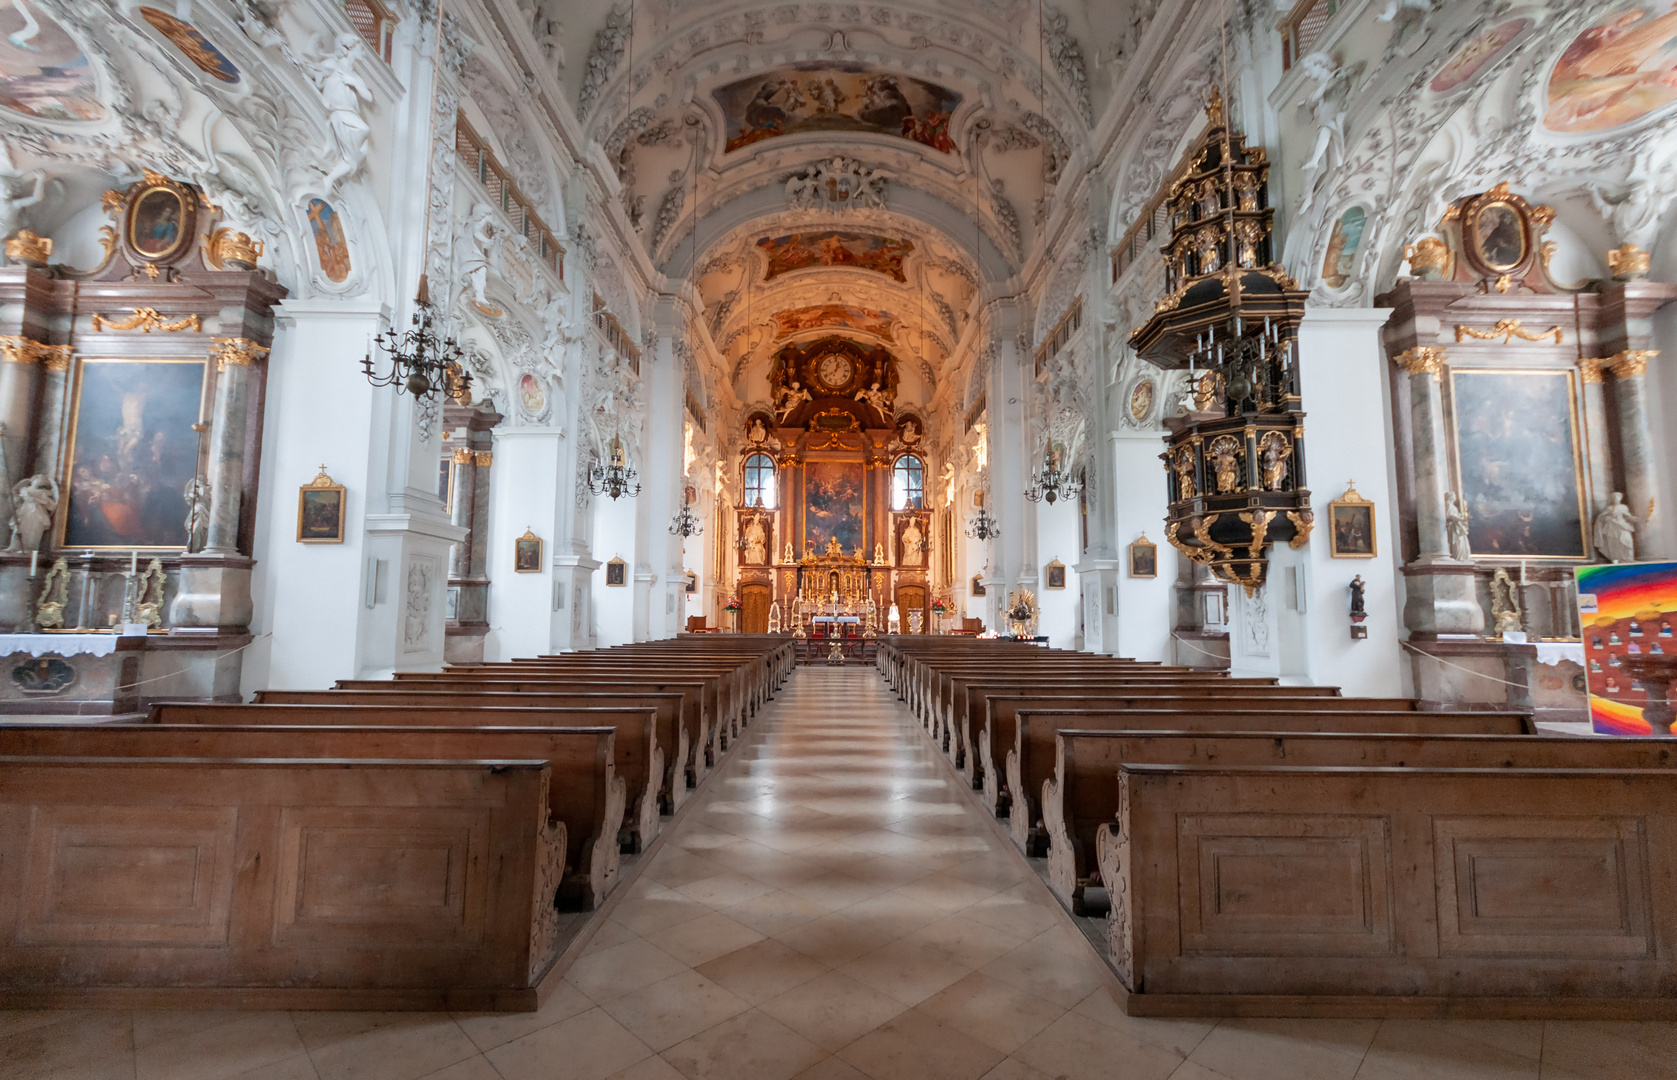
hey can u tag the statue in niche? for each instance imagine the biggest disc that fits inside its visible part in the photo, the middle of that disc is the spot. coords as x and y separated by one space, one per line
914 544
1455 527
1615 531
343 91
197 497
34 501
756 543
1184 466
758 433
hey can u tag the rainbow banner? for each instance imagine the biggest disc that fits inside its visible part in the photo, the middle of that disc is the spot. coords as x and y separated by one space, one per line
1625 610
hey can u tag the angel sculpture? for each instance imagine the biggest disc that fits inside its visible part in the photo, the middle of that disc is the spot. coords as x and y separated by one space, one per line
796 395
1615 531
35 499
343 91
1455 527
197 496
876 397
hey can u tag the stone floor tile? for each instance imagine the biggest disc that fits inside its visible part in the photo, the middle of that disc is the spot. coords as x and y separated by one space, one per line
762 970
908 972
1076 1048
724 890
914 1046
704 938
834 939
300 1067
588 1046
674 1009
408 1048
1180 1036
473 1068
835 891
774 912
966 941
161 1025
1574 1050
222 1051
652 1068
1014 1069
1279 1049
1416 1050
1037 969
489 1030
663 908
832 1068
991 1011
832 1010
622 968
753 1045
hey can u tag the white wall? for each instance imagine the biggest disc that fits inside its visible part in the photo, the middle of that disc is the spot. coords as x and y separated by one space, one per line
523 494
614 538
309 599
1146 606
1058 536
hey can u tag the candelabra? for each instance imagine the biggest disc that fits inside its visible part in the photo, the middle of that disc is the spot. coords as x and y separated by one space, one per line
422 362
616 479
1049 481
981 526
686 523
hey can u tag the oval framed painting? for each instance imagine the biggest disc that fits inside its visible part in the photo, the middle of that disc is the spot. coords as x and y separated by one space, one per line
44 73
532 395
1141 400
193 45
161 221
330 243
1479 52
1496 236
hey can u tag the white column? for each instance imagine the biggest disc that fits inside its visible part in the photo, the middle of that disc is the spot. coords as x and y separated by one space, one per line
523 617
1146 607
1013 553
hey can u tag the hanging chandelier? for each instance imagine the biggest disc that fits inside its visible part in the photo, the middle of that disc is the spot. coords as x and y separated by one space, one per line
1049 482
616 479
686 523
981 526
421 361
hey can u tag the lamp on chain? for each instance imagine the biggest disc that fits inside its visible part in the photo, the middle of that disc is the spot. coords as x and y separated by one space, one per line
422 362
616 479
1049 481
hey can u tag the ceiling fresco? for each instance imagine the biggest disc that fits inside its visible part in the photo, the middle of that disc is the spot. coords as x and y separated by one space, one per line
843 316
852 250
835 97
43 72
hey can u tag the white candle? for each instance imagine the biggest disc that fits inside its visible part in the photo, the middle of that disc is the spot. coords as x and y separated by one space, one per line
1523 572
134 562
34 562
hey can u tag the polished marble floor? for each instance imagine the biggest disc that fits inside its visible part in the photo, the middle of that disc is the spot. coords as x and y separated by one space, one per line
832 908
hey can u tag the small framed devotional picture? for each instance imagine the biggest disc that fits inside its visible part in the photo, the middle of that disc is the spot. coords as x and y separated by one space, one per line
320 511
1351 526
1054 575
617 573
1144 558
977 585
527 553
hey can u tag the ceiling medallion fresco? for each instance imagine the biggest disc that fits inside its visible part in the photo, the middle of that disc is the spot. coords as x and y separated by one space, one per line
836 97
192 44
1487 46
43 72
1616 72
859 251
844 316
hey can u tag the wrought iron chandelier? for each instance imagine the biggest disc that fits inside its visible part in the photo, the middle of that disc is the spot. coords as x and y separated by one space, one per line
981 526
686 523
421 361
616 479
1049 482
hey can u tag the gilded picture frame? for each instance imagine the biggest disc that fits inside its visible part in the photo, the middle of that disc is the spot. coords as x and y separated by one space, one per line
320 511
160 220
1054 575
527 553
977 587
1144 558
617 574
1351 526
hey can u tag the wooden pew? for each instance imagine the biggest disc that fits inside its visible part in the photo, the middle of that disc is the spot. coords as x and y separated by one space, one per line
276 884
633 788
1082 795
674 740
1034 755
1391 891
998 711
586 794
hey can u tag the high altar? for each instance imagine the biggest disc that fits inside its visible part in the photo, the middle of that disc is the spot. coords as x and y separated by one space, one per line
845 529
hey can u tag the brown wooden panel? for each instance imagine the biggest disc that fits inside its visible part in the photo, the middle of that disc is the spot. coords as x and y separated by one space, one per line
128 875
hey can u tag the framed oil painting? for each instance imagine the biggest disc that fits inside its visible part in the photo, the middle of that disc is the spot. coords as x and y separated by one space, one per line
320 511
44 73
1351 526
1495 232
1615 72
617 573
527 554
133 452
1517 457
977 587
161 219
1054 575
1339 262
1144 558
833 503
692 585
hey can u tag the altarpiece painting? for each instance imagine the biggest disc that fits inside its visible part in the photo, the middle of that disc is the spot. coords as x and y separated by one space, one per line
833 508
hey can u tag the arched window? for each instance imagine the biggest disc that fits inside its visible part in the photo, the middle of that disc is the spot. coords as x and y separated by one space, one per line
908 484
759 481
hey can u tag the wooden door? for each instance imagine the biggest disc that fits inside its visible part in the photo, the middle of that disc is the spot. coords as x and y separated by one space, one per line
754 609
913 598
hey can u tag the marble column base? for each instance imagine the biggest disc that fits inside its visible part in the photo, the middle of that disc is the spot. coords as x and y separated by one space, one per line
1440 598
214 592
17 595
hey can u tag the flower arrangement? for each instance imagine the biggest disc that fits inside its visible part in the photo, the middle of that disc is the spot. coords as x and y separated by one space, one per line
939 607
733 603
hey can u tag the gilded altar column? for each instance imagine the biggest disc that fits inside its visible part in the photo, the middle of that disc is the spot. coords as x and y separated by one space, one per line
1636 447
233 358
1592 392
462 513
476 560
20 361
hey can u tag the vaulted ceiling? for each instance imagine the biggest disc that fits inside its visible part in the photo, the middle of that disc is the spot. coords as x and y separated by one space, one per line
822 167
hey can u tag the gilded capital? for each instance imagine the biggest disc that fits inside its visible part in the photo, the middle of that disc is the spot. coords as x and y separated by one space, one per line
483 458
462 455
237 351
29 248
1423 360
17 349
1631 362
1590 368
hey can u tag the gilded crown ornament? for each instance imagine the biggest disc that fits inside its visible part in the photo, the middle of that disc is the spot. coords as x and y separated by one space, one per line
1626 263
29 249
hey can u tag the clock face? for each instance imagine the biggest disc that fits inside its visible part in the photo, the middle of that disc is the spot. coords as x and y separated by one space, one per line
834 371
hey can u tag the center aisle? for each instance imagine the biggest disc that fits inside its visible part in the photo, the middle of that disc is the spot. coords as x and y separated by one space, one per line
835 908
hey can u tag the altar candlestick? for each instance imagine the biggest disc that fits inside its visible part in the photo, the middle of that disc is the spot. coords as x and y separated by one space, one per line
134 562
34 562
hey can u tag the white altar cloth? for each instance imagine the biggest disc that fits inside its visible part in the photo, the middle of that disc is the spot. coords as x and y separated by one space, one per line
59 644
